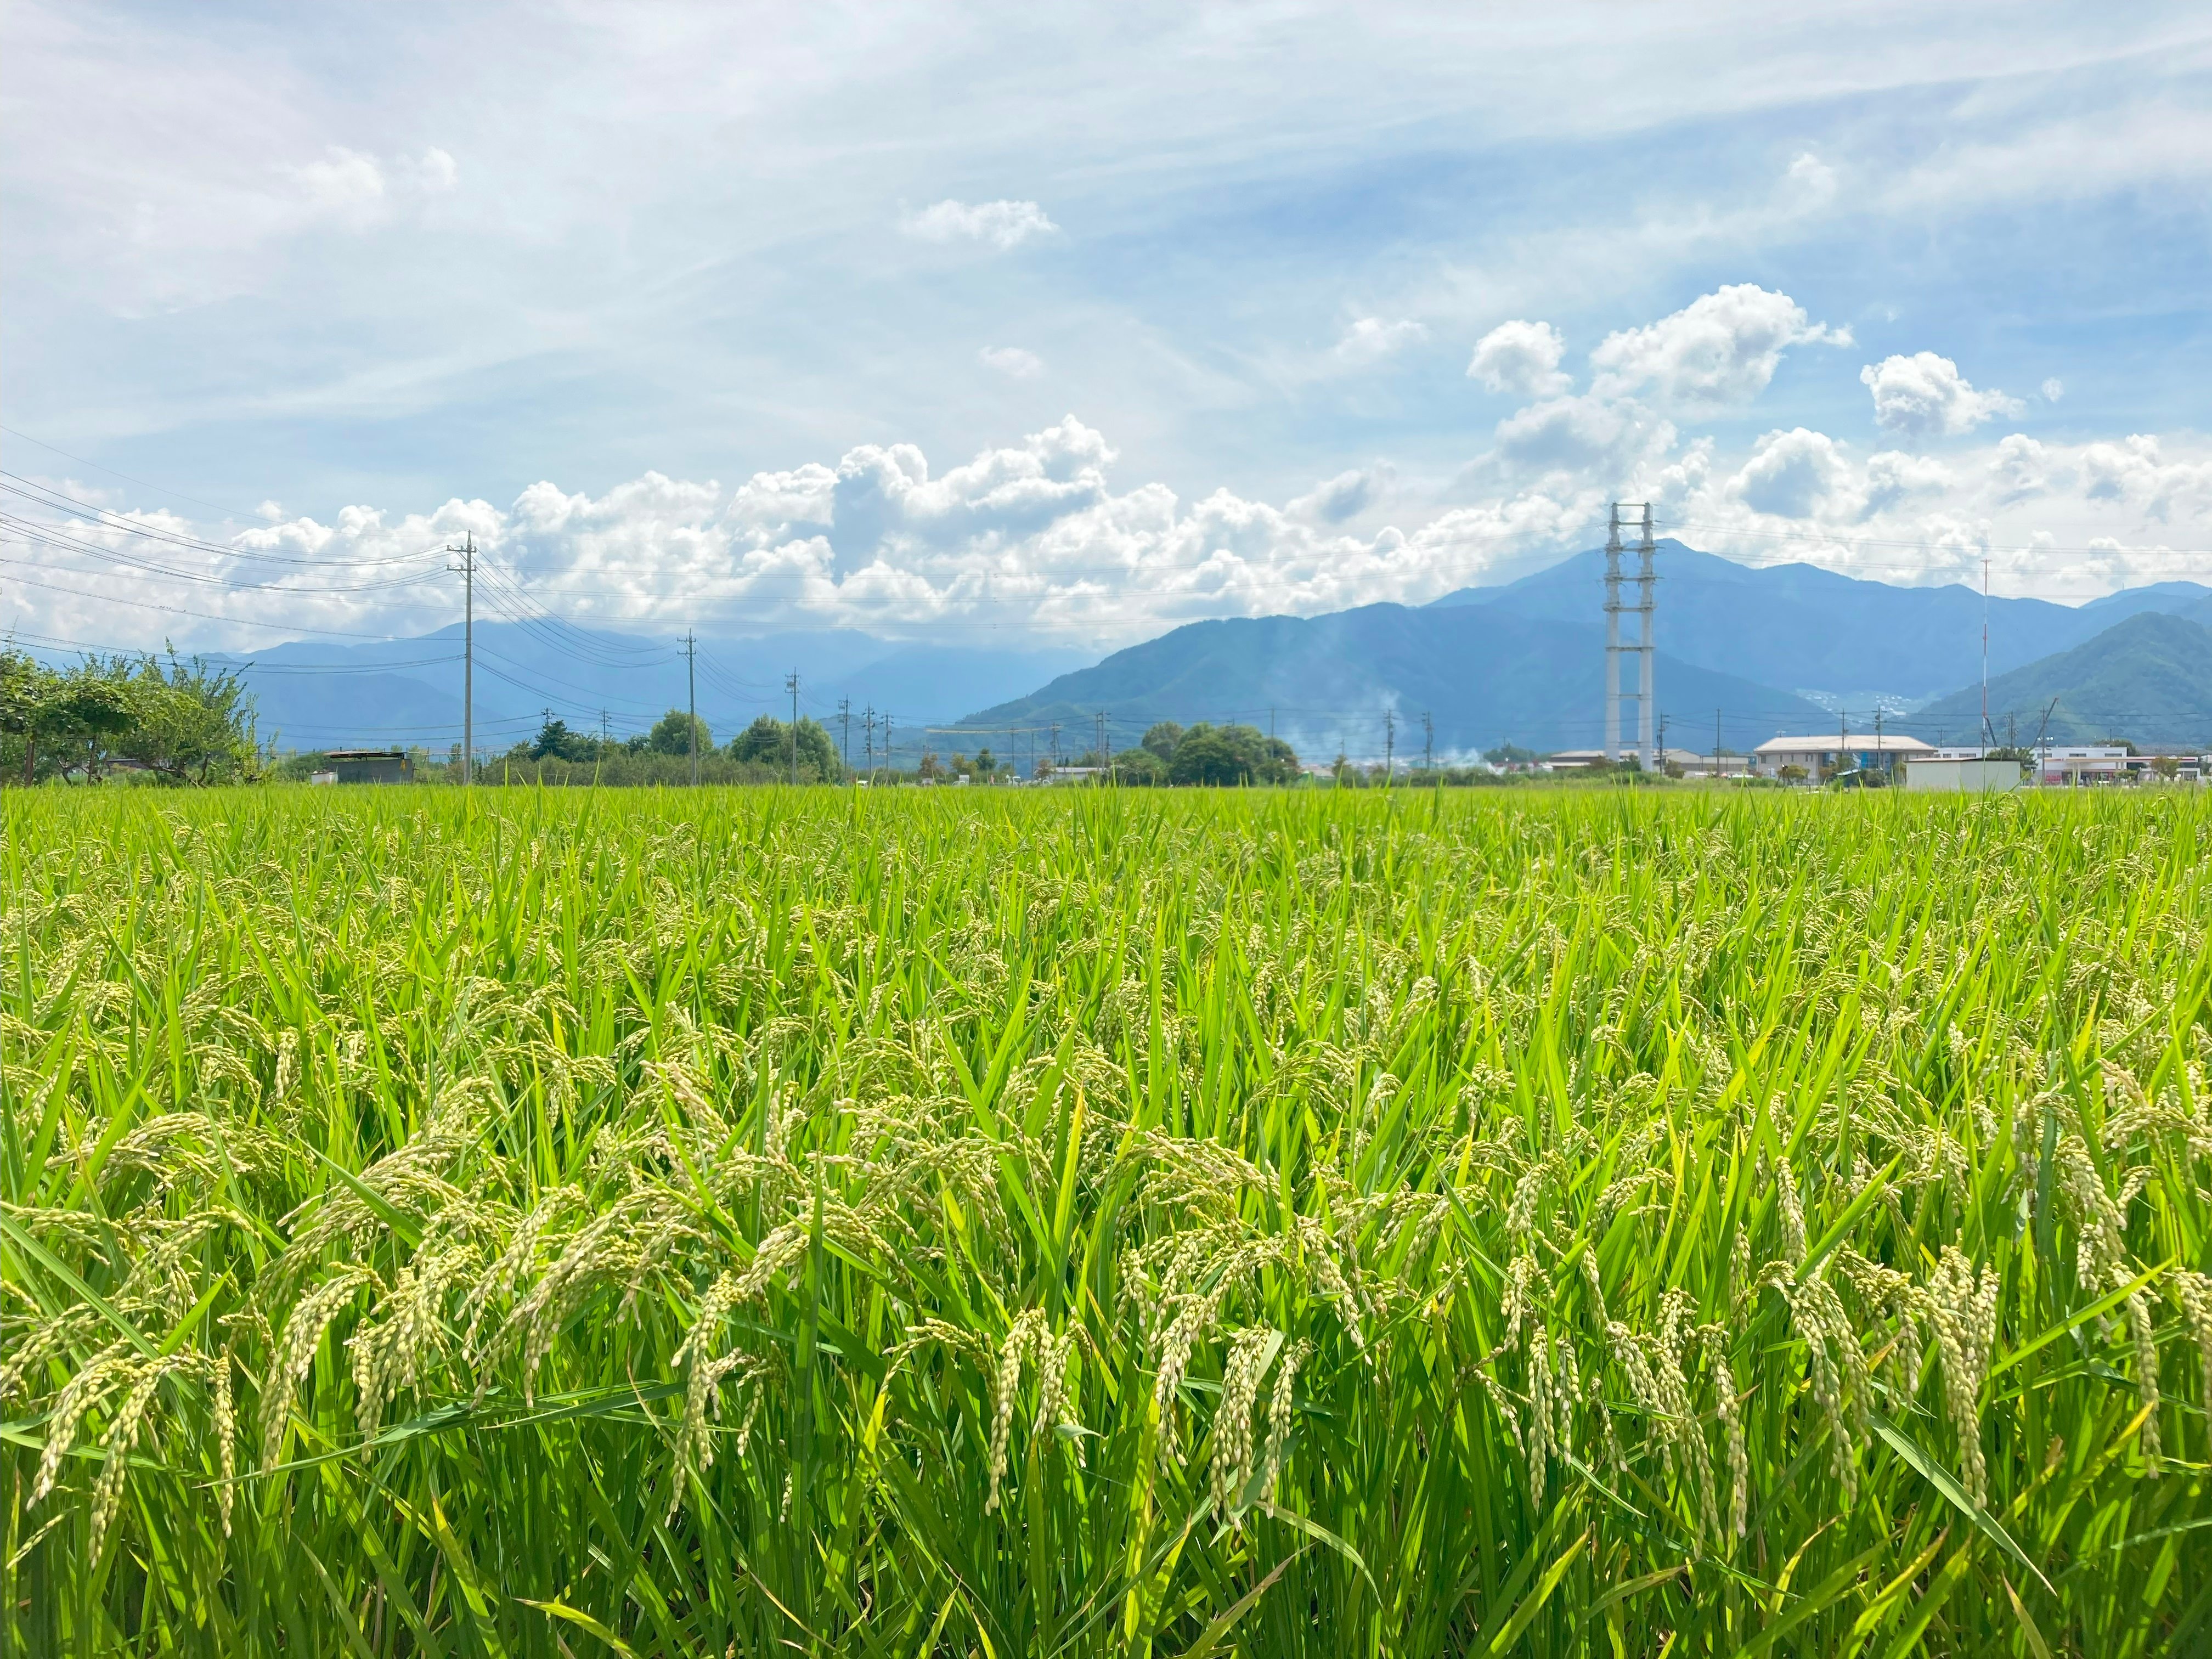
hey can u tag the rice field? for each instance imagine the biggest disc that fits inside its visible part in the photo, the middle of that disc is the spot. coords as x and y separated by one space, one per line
752 1222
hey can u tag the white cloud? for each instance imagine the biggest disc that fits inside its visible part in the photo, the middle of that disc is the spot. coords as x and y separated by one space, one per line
434 172
1013 361
1720 351
357 191
2053 390
1798 474
2135 471
1606 437
1811 182
2020 468
1520 357
1893 477
1346 495
1370 339
1003 225
1925 396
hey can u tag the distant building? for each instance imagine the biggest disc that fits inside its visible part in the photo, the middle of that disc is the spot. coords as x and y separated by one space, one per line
2075 765
371 766
1854 750
1692 763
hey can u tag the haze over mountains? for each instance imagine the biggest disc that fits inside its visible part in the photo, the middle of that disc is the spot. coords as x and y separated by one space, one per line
1766 649
1763 649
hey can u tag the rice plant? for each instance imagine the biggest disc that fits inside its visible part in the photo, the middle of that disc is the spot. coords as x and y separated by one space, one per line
778 1221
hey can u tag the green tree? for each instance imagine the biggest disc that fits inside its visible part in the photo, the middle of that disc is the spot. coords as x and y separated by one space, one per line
1139 767
90 704
1161 739
985 765
190 723
556 739
767 742
1224 754
25 685
672 734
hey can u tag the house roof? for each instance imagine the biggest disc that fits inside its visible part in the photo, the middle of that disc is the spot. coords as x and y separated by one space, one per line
1890 743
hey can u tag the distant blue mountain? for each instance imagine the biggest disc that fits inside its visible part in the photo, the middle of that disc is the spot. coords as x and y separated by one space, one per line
2147 679
1801 627
313 694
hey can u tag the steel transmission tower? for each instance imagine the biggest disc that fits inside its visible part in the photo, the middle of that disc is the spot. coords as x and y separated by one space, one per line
1640 648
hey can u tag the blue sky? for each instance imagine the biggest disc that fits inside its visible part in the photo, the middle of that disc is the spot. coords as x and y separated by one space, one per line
1082 321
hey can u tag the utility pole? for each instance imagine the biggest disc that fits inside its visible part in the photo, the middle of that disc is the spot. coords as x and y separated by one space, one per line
1987 735
868 724
891 754
691 692
1428 743
1663 743
1056 746
605 741
1389 744
1105 760
845 718
791 684
1880 759
468 569
1842 740
1717 745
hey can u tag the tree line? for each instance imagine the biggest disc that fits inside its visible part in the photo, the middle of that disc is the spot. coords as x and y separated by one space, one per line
173 718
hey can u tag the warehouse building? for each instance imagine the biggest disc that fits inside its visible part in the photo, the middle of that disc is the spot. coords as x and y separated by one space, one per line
1843 752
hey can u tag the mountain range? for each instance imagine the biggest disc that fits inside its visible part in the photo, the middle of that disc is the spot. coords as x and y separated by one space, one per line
1750 650
2147 679
311 694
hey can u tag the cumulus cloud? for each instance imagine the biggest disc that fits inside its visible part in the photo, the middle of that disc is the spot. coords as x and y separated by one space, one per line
1797 474
1893 477
1925 396
2020 469
2137 472
1370 339
2053 390
1600 435
1013 361
1032 534
1345 496
1718 352
1520 357
1001 225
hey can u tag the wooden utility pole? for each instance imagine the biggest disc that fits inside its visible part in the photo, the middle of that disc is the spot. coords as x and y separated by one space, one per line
791 684
467 566
691 684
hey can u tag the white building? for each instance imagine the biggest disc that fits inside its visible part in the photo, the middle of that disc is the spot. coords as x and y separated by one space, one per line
1856 750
